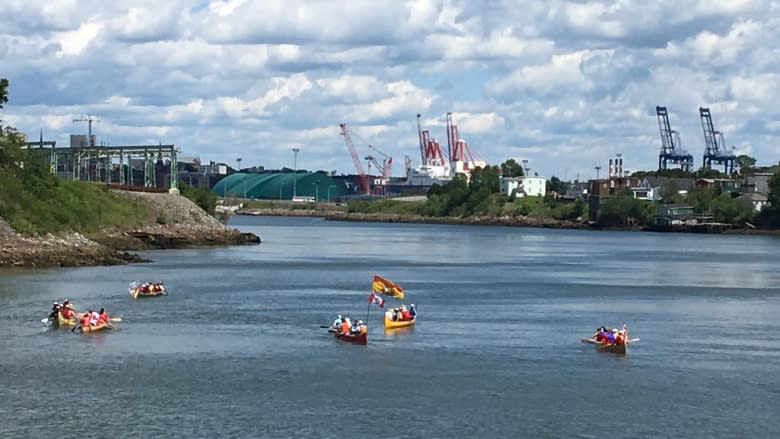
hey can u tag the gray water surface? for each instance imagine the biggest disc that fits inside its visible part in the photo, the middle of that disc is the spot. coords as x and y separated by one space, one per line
236 348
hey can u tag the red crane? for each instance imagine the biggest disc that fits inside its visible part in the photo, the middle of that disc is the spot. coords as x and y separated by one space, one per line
387 163
362 177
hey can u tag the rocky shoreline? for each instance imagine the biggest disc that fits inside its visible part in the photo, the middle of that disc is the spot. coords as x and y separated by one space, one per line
490 221
419 219
177 223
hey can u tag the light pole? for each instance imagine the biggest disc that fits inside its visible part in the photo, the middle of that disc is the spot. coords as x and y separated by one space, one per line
597 168
316 185
238 164
329 188
525 167
295 170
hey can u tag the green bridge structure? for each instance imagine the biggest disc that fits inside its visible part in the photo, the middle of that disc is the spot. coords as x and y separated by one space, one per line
97 163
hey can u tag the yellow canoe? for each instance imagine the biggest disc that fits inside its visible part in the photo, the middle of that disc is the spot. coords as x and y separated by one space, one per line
96 328
62 322
390 324
137 293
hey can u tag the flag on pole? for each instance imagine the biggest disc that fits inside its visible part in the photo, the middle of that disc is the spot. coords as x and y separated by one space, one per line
385 286
376 299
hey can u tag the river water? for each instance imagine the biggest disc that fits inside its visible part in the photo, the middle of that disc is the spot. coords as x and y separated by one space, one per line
236 348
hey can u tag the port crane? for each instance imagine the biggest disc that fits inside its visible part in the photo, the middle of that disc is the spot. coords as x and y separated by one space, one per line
387 163
671 145
362 177
714 145
385 168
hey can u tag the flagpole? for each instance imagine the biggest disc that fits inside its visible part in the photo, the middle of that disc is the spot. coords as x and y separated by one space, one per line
368 310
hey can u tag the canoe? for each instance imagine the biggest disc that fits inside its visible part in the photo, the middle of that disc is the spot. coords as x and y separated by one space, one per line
137 293
96 328
614 348
358 339
62 322
390 324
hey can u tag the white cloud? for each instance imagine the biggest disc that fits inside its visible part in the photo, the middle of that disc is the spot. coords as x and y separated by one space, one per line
565 84
562 72
74 42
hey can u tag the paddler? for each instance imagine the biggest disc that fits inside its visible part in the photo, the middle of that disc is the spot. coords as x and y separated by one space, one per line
67 309
55 309
336 323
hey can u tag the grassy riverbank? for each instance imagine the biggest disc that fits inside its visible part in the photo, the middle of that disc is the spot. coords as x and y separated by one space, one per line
47 204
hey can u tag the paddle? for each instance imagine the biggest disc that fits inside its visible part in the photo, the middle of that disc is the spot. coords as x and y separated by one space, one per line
116 319
634 340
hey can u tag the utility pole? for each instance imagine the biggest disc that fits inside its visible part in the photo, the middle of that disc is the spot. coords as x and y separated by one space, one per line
295 171
89 119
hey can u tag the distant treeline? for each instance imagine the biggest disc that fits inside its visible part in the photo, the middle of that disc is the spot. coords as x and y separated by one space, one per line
480 197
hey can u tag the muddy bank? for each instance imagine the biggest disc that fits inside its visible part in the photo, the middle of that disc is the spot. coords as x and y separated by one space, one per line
174 222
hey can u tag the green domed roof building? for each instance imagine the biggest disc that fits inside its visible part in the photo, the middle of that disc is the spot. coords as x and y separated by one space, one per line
280 186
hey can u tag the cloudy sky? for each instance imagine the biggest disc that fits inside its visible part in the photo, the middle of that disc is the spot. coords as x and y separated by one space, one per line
563 84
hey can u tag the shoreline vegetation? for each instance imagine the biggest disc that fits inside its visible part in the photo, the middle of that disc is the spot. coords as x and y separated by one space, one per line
166 221
332 212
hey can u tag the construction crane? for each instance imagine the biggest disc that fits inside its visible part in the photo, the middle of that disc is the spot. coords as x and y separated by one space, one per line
362 177
671 145
387 163
89 119
377 189
714 145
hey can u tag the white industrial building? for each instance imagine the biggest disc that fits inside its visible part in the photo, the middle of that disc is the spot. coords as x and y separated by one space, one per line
523 186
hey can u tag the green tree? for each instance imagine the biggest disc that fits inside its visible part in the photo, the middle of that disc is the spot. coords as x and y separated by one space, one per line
622 209
771 213
554 184
725 209
745 163
3 92
700 199
202 196
486 177
11 144
709 173
670 192
511 168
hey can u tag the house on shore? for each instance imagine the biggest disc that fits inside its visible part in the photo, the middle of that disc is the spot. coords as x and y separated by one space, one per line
526 186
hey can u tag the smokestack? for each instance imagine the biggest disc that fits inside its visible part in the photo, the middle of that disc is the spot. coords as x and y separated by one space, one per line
620 167
610 168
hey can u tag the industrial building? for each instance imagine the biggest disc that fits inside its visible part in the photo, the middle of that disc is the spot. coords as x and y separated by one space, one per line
318 186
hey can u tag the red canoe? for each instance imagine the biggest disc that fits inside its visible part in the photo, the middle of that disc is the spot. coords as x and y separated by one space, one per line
359 339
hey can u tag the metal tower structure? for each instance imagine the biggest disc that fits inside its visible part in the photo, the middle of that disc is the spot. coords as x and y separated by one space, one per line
714 145
112 164
362 177
89 119
671 146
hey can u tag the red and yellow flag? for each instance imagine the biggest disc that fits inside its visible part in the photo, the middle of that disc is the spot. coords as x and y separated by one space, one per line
387 287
